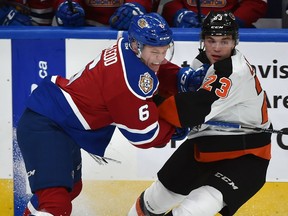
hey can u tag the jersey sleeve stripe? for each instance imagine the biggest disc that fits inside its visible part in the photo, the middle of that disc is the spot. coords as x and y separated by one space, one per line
139 137
138 131
73 106
76 110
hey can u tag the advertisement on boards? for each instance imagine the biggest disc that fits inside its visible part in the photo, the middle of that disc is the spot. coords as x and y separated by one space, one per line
32 60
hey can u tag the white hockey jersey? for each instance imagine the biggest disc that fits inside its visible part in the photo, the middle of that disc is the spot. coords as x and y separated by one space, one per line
230 92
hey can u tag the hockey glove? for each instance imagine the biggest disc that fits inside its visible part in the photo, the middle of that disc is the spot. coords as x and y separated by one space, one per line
180 134
186 19
122 16
189 79
9 16
70 14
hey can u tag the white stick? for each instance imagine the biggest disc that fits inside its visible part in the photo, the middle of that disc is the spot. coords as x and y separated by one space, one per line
238 126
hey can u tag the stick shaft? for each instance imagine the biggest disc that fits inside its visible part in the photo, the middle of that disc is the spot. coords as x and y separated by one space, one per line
199 13
71 6
238 126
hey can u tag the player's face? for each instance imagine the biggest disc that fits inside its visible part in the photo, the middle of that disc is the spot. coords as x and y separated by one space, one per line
153 56
218 47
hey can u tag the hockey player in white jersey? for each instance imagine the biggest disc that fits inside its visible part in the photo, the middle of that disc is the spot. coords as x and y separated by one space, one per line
215 170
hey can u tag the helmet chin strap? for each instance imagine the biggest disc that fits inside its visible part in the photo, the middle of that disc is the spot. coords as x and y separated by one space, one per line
139 53
139 48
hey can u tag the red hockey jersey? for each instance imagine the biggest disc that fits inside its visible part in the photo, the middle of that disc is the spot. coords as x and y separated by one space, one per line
114 90
248 11
97 13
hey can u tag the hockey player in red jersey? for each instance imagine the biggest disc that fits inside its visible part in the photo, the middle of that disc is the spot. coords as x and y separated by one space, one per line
116 14
216 169
64 115
186 13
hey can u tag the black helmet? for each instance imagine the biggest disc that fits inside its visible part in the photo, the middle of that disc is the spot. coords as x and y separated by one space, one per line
220 23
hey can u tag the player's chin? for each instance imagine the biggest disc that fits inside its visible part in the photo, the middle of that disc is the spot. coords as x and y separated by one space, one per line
154 67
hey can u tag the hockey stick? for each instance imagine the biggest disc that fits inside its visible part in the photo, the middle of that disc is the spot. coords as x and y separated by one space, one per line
238 126
71 7
199 13
103 160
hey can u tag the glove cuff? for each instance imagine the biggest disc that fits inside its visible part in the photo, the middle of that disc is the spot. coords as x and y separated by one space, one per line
182 79
122 16
137 5
178 16
9 16
70 14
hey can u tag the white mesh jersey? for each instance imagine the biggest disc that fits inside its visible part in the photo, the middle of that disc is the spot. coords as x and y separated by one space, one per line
241 98
230 92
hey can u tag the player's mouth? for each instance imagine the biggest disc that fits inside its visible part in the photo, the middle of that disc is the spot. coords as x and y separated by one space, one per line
155 66
216 57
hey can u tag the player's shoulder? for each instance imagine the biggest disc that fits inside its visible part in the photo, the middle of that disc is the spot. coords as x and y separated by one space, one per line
169 66
240 64
235 64
139 78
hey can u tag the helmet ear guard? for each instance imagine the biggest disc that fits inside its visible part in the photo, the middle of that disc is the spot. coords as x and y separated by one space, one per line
220 23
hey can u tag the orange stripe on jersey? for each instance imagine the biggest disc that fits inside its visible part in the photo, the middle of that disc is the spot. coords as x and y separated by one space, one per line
257 85
262 152
168 111
264 109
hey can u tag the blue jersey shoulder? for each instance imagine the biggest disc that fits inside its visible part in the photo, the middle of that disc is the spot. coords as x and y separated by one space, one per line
140 79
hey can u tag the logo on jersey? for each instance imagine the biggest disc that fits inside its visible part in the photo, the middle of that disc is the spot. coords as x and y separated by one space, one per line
146 83
31 173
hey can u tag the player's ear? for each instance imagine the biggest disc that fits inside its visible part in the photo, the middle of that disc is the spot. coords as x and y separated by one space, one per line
134 47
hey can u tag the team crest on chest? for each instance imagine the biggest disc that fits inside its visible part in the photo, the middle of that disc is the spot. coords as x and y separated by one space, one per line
146 83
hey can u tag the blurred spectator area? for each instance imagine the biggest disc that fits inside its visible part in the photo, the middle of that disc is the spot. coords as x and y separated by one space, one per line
276 15
284 13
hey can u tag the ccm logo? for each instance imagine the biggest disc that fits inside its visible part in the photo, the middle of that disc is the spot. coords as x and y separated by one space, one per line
30 173
227 180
